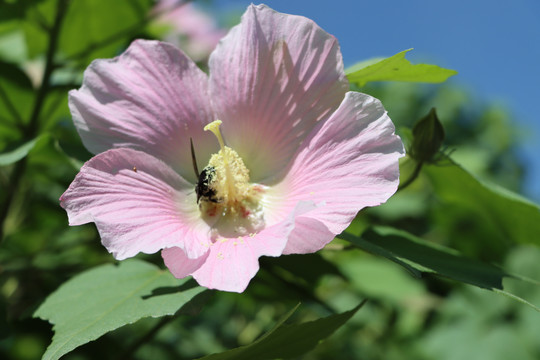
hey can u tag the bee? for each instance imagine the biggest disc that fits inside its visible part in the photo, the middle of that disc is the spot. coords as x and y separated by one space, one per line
204 178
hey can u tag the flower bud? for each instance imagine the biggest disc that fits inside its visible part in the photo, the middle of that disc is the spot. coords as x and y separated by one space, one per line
428 135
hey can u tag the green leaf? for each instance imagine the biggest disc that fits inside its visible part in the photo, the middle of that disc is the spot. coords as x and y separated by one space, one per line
377 278
420 256
515 218
39 19
10 157
100 28
12 45
16 95
285 341
397 68
90 29
107 297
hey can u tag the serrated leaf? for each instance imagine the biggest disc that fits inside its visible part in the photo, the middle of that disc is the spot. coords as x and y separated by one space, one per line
286 341
397 68
420 256
514 216
108 297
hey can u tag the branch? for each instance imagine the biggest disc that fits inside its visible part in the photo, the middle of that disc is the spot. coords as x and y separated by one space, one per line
32 128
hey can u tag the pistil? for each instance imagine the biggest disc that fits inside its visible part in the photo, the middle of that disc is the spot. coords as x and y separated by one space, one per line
235 207
229 179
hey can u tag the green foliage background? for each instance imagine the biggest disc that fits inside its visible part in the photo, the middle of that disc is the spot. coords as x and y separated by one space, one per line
453 229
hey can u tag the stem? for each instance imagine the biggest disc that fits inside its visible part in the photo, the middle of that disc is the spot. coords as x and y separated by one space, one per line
413 176
32 129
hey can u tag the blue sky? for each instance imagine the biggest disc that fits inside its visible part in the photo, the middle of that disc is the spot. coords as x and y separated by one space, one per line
494 45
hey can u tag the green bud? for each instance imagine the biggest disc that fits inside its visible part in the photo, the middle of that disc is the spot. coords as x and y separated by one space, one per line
428 135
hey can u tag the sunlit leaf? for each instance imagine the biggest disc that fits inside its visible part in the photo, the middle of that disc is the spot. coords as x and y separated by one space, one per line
12 156
12 45
378 278
397 68
90 29
108 297
488 327
515 217
98 28
286 341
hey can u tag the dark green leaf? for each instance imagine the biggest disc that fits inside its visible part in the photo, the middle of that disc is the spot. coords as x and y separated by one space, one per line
108 297
285 341
397 68
420 256
307 268
16 95
516 218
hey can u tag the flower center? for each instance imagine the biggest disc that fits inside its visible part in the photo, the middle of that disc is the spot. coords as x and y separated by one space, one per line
227 199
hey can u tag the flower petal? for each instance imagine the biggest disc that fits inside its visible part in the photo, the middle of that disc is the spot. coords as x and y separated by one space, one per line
138 203
151 98
179 264
233 262
349 162
271 79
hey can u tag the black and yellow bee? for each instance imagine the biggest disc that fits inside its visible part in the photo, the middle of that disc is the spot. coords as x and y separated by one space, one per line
203 187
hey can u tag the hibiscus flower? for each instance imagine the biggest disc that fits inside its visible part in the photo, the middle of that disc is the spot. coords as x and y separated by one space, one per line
285 155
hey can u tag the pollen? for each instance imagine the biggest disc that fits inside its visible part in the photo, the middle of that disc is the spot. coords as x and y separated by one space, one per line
236 206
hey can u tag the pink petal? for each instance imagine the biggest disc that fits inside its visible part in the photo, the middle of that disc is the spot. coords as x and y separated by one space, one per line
348 163
233 262
151 98
179 264
138 203
271 79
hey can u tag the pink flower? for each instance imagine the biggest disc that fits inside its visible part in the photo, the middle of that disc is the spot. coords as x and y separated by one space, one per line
303 154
